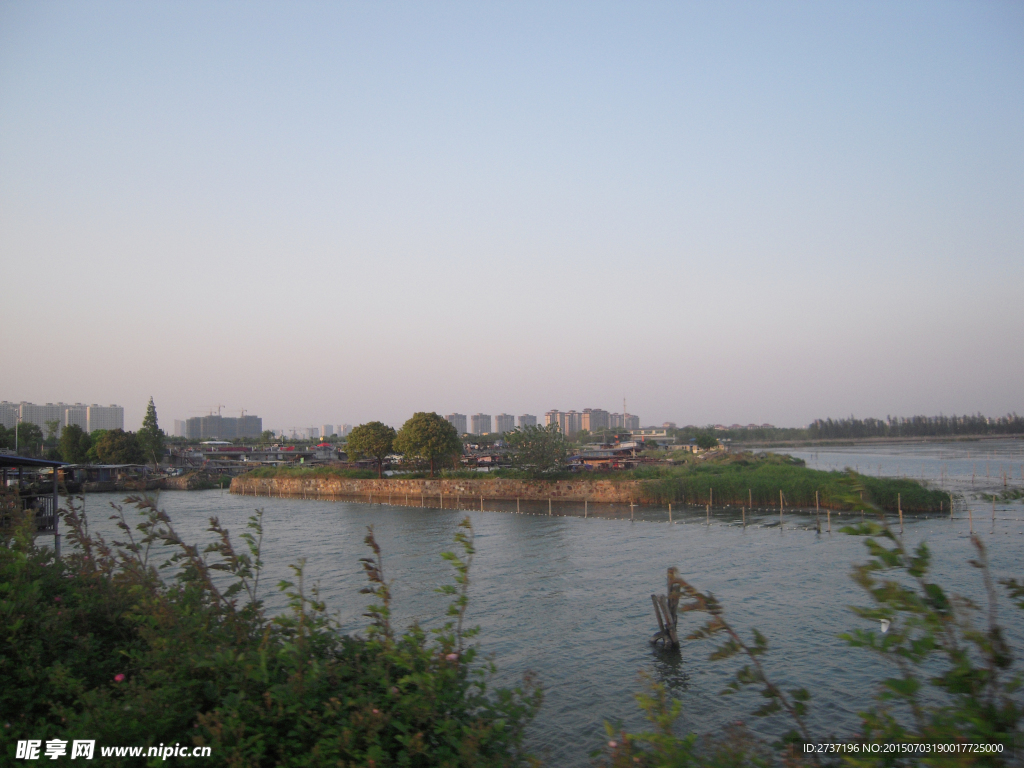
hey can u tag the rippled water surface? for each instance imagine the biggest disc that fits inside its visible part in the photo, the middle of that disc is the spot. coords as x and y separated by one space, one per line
568 597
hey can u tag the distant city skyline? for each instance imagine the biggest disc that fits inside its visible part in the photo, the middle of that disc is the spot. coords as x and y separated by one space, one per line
722 212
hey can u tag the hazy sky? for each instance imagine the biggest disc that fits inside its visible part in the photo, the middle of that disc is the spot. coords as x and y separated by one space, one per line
338 212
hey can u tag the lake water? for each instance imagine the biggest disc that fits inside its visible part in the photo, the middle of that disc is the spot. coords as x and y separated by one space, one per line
568 597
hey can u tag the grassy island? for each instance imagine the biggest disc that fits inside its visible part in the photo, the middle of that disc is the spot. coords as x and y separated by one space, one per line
741 479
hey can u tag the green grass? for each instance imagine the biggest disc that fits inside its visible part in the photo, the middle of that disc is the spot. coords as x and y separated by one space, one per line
745 479
1010 494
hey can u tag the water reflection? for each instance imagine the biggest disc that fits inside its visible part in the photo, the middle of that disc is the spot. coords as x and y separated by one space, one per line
668 669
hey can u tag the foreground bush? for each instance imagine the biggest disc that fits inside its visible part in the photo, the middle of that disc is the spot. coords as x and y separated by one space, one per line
99 646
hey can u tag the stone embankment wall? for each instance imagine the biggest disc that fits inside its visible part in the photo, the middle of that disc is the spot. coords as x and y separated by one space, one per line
193 481
536 490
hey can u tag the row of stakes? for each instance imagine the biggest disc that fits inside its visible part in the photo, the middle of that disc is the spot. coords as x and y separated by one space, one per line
632 506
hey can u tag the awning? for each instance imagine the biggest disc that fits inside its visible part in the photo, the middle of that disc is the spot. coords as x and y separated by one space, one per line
8 460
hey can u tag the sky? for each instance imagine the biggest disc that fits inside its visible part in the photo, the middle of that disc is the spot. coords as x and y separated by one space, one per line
341 212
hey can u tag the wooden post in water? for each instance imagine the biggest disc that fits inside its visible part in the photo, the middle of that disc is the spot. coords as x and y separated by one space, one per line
549 506
631 510
743 511
828 514
423 498
440 496
584 509
670 513
780 508
899 507
517 506
970 519
817 512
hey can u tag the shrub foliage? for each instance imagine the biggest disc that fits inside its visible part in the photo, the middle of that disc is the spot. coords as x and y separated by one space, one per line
101 645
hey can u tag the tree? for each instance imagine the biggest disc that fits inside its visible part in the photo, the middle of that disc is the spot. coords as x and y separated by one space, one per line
52 428
26 437
427 436
706 438
267 436
116 446
75 444
151 438
538 449
374 439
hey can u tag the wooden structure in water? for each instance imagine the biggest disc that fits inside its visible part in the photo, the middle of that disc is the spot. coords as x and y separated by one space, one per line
667 610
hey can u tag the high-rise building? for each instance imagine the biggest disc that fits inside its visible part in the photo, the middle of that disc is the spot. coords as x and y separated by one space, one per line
216 427
553 417
527 420
481 423
346 429
457 420
594 420
77 414
40 414
504 422
105 417
88 417
623 421
9 413
179 428
327 430
571 423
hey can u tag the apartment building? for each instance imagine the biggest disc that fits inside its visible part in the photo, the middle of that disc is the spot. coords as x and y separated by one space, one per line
527 420
457 420
481 423
594 419
77 414
623 421
504 422
9 413
88 417
216 427
105 417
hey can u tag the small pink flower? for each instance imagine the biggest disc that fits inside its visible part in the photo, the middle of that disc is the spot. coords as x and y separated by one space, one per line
613 744
452 657
118 678
57 598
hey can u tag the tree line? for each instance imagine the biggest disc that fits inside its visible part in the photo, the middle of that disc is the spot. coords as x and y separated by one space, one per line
916 426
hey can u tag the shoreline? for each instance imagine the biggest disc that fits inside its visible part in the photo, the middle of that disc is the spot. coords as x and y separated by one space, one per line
854 441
